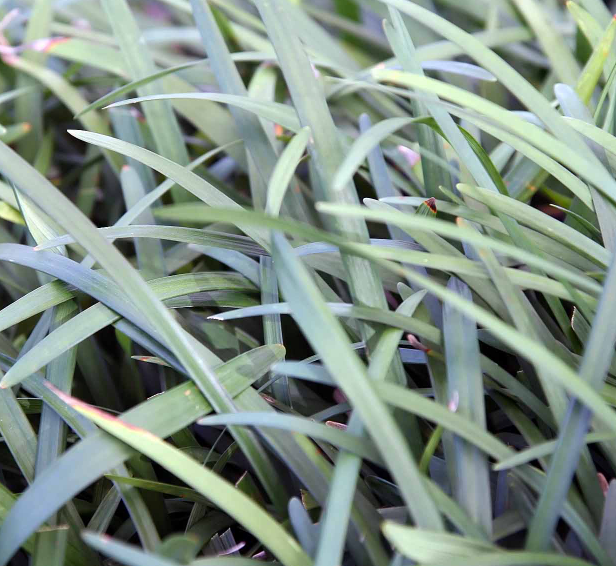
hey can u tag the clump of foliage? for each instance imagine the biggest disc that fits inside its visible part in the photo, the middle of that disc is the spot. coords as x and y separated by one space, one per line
322 292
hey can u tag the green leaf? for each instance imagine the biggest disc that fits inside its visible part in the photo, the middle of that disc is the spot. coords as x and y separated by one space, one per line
70 97
502 558
334 523
173 233
405 52
607 523
465 389
258 144
102 453
553 45
166 488
125 553
283 172
135 84
274 111
593 69
99 316
540 222
18 433
150 260
430 547
544 449
211 485
160 118
577 161
595 363
185 178
349 442
50 546
311 314
325 147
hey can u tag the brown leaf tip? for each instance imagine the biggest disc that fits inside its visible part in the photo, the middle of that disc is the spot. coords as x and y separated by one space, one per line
415 343
431 204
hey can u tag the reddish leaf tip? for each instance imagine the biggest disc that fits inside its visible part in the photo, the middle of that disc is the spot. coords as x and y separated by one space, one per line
431 204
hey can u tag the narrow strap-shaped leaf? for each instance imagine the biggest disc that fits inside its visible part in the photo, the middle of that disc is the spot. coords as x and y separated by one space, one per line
606 213
311 314
545 448
429 547
396 320
218 490
151 312
558 52
133 85
70 97
510 78
159 116
18 433
325 146
29 107
150 259
442 415
546 142
101 452
405 52
465 387
127 128
275 111
272 328
538 221
526 347
50 546
513 558
384 189
97 317
189 180
345 440
608 521
105 511
283 172
255 139
52 430
594 68
598 10
338 507
595 362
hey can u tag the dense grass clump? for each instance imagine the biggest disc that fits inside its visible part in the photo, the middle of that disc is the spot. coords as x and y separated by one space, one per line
319 283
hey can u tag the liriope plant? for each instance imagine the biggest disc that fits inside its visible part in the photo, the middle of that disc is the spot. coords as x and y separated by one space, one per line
314 283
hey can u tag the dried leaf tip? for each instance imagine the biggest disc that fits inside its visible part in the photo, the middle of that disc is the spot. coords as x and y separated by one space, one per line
415 343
